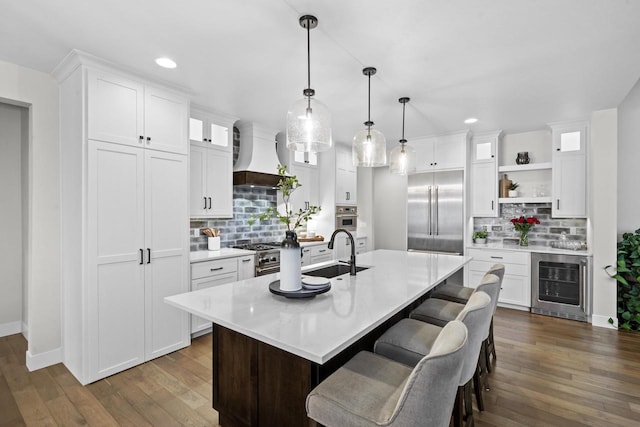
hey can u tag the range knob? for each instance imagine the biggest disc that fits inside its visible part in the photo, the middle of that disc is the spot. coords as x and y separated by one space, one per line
273 259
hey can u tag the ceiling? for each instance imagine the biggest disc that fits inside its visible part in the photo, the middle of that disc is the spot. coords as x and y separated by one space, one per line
513 64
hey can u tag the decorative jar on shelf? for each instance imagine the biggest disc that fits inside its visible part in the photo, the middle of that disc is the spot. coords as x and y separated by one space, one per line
523 158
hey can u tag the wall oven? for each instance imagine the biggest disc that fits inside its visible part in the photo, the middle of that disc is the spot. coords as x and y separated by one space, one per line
347 217
561 285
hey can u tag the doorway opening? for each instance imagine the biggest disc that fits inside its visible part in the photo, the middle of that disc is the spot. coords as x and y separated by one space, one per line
14 191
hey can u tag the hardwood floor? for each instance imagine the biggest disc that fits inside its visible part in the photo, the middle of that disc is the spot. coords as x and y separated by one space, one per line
550 372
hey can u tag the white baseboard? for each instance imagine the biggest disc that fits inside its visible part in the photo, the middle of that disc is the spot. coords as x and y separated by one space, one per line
10 328
603 321
42 360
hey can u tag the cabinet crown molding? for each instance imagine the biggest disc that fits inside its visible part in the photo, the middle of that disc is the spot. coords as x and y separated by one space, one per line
77 58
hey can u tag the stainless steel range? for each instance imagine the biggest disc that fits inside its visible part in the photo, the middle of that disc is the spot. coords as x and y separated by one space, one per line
267 257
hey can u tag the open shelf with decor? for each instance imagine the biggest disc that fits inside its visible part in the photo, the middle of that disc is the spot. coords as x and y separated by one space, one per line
503 200
527 167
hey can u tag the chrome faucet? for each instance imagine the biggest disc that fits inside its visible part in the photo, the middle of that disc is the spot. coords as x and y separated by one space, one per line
352 260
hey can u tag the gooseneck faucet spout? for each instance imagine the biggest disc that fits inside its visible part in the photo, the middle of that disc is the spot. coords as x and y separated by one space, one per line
352 260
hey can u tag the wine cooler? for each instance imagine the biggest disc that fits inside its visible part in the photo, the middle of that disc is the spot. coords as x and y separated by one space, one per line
561 285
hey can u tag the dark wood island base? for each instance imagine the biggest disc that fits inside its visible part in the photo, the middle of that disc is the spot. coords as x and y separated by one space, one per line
256 384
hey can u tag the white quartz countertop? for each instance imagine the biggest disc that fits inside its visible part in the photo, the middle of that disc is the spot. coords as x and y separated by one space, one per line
532 248
319 328
199 256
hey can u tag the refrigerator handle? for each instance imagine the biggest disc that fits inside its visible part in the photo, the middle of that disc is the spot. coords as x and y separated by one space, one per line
436 211
429 210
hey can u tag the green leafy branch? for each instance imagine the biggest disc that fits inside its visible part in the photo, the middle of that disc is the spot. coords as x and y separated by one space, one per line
287 185
627 276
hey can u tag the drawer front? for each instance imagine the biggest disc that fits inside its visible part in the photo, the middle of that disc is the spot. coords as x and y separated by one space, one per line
514 269
213 268
515 289
503 257
246 267
320 250
322 258
198 323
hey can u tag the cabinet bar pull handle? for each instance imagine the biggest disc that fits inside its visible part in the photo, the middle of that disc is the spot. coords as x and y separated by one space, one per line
496 257
557 203
246 260
209 202
141 256
322 250
148 255
217 268
148 139
141 138
205 202
492 204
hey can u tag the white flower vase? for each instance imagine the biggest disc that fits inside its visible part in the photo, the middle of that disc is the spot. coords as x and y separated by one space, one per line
290 264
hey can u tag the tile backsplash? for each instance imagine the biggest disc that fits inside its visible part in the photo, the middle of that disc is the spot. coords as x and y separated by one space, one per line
500 229
247 201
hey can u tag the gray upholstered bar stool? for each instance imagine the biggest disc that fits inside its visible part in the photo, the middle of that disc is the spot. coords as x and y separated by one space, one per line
409 340
439 312
371 390
460 294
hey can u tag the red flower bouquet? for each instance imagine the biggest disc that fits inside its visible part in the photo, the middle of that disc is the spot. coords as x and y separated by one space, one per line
524 225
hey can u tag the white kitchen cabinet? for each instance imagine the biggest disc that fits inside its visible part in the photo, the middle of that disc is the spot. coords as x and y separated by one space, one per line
137 255
484 191
307 194
211 182
346 178
246 267
484 174
305 157
124 228
361 245
516 285
305 259
320 253
443 152
207 274
125 111
569 170
207 129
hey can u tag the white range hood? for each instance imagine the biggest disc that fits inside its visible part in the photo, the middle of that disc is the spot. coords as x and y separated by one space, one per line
258 161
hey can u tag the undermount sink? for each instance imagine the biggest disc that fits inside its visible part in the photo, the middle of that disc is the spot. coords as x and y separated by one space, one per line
332 271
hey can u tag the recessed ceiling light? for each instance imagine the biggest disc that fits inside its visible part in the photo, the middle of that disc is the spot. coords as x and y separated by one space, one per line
471 120
166 62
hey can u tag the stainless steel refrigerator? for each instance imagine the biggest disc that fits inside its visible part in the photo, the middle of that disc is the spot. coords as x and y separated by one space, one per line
435 217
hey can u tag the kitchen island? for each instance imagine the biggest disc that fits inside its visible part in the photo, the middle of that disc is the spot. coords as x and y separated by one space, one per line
270 351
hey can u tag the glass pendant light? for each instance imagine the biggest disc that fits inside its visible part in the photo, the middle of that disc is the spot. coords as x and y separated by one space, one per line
369 145
308 120
403 156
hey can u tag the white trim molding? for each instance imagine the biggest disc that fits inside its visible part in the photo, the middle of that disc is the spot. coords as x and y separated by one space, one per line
603 322
10 328
42 360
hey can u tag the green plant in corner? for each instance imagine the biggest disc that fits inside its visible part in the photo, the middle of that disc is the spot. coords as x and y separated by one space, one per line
287 185
627 277
480 234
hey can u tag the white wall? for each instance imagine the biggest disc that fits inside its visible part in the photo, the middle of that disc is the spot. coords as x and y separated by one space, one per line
10 219
628 155
39 92
603 158
390 210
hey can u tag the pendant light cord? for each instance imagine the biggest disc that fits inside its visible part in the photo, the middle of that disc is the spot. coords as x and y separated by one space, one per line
402 141
308 62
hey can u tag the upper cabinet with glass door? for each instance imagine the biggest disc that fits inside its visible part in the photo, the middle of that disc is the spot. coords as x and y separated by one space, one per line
569 169
211 130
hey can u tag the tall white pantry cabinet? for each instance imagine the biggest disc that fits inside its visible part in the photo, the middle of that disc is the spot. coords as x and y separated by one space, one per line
124 190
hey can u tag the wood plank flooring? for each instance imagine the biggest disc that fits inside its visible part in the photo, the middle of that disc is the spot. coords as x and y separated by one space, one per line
550 372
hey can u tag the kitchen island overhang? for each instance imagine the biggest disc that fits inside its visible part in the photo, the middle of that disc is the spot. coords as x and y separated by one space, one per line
270 351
